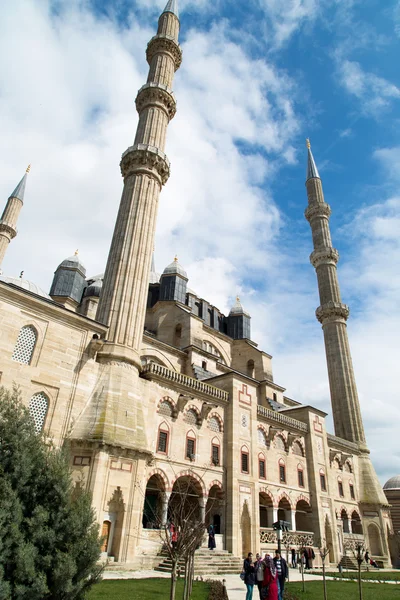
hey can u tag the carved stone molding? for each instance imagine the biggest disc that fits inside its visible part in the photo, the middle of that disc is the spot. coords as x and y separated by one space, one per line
146 158
162 43
317 210
118 363
153 94
327 256
331 312
7 229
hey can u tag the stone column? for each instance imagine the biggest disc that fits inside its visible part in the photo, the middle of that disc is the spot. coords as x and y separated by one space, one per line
293 519
164 511
274 514
202 504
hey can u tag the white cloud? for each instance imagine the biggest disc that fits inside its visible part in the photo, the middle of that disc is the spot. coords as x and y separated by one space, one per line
374 93
286 18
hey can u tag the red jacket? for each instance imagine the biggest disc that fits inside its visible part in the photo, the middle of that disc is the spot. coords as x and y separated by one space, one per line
272 582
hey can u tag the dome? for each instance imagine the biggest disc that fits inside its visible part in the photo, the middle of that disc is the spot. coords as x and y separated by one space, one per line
154 277
393 483
73 262
25 285
94 288
175 269
237 309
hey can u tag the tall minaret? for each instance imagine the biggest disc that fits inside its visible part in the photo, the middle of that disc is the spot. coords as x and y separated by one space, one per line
333 314
9 218
145 169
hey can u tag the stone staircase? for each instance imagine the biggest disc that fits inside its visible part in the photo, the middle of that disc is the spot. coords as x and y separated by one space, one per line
206 562
349 563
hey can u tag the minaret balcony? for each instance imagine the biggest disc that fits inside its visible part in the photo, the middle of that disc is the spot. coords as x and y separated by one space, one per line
324 256
164 44
144 158
7 229
320 210
332 312
158 95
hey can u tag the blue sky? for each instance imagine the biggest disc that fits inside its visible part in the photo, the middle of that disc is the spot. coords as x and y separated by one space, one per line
257 78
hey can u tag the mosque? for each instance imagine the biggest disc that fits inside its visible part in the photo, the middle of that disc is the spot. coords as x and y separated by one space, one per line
154 386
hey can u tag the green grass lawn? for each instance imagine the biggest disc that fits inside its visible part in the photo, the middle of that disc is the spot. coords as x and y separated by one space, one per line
143 589
344 590
375 575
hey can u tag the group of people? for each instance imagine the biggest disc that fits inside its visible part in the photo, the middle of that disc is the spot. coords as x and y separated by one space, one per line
268 574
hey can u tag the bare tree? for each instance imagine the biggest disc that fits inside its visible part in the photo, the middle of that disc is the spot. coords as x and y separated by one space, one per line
357 548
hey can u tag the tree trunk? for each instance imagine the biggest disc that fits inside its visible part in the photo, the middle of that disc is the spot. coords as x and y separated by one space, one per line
359 581
302 574
324 579
173 580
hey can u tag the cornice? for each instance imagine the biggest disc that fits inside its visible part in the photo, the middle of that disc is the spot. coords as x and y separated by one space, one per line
142 158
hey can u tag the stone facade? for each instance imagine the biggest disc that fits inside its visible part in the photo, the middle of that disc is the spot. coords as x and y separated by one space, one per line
152 391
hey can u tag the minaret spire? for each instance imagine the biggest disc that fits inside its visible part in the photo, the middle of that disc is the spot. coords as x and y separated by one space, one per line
145 169
9 218
172 7
332 313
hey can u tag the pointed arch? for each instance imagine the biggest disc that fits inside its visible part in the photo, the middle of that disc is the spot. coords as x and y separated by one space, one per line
284 496
163 476
25 345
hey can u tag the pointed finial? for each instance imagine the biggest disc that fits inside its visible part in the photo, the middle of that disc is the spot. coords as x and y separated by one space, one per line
237 299
312 171
28 168
76 252
308 143
176 258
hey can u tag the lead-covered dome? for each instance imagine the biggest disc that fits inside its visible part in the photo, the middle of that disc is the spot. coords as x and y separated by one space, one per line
94 287
73 262
175 269
393 483
237 309
25 285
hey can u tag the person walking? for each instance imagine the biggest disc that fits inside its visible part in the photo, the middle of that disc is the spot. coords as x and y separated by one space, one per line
259 567
211 538
282 572
269 590
294 562
249 575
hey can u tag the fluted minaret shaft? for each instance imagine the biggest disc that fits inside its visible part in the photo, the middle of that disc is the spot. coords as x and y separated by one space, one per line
9 218
332 314
145 169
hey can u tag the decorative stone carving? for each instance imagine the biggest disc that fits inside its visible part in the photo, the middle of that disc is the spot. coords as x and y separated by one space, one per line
332 311
324 256
159 95
143 157
162 43
289 538
8 229
322 209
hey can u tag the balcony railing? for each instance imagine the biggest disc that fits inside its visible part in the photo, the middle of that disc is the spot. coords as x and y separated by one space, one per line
289 538
339 442
278 417
155 371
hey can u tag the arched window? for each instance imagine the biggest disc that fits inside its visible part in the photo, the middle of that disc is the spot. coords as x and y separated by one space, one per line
244 459
191 416
163 439
38 406
165 408
351 488
214 424
282 471
212 350
340 488
262 438
262 471
300 475
347 467
297 449
190 452
25 345
215 452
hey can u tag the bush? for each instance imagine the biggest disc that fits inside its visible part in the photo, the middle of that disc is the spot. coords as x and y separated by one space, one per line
217 591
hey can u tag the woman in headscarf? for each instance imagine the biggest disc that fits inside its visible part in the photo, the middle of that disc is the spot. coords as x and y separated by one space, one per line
269 589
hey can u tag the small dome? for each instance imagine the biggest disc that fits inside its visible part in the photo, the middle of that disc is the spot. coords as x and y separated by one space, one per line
73 262
25 285
175 269
94 288
393 483
237 309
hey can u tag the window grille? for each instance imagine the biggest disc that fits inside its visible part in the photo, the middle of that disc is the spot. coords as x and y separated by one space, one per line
215 454
162 442
323 482
165 408
261 468
262 438
191 417
300 477
282 474
245 462
38 406
214 425
190 448
25 345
